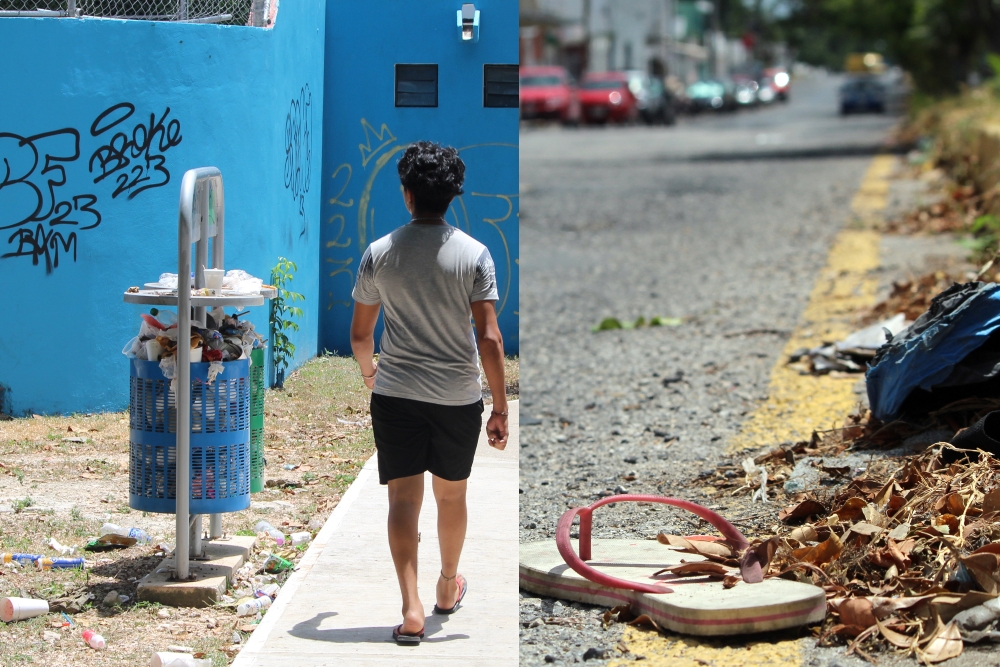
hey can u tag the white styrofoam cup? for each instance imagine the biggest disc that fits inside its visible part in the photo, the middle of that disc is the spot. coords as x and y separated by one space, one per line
19 609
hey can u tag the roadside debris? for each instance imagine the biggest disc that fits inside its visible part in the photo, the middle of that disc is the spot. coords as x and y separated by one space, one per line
852 354
948 353
611 323
19 609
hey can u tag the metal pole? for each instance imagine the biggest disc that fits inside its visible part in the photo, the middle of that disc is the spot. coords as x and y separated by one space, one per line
182 9
196 550
183 374
201 249
257 16
218 262
71 8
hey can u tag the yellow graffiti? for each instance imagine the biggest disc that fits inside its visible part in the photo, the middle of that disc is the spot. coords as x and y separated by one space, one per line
333 302
495 223
383 135
335 200
341 265
496 143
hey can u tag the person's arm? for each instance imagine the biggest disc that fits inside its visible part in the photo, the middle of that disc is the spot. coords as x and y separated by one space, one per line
363 339
491 351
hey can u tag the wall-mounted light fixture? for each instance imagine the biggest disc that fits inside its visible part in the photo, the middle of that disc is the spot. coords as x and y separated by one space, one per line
468 23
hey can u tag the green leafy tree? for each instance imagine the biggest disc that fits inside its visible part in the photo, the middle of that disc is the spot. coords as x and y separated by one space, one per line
282 319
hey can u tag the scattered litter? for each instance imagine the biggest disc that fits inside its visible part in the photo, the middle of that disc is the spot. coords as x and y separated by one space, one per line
94 640
349 423
948 353
177 659
175 648
290 466
19 609
20 559
59 563
251 607
136 534
852 354
275 564
53 543
303 537
276 535
756 475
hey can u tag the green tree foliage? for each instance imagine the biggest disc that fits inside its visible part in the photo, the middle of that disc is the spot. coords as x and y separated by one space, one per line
282 318
942 43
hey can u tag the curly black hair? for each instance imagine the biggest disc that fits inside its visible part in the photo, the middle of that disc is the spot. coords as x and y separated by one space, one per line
434 174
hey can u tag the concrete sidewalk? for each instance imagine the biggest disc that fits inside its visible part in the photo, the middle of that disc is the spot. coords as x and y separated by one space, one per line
340 606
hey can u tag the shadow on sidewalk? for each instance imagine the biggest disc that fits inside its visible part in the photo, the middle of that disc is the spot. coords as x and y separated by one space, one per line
374 634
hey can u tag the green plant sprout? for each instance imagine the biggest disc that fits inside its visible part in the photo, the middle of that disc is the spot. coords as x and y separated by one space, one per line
282 319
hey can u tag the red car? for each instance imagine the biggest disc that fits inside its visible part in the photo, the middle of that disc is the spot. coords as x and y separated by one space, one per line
780 81
548 92
606 97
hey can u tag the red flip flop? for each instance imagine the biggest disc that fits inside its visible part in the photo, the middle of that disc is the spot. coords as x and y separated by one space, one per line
463 588
610 572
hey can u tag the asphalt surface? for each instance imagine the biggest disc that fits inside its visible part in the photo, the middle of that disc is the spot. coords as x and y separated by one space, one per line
722 221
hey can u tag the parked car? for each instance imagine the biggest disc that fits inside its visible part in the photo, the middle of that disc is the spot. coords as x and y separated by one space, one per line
710 96
781 81
606 96
767 92
549 92
653 102
862 93
746 92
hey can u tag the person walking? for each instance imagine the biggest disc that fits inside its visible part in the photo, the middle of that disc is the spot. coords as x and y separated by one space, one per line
431 281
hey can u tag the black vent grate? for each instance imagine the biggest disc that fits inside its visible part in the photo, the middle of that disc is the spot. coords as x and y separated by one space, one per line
500 86
416 85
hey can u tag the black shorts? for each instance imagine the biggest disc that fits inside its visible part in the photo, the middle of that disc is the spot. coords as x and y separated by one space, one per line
415 436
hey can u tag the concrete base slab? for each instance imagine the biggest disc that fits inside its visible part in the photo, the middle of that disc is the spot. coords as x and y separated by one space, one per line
210 578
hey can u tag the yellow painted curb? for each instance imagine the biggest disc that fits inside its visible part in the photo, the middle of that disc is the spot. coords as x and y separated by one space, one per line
799 404
677 651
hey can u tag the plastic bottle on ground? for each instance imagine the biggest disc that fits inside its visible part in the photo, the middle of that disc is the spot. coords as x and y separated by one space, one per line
94 640
170 659
138 534
265 527
303 537
59 563
20 559
270 590
251 607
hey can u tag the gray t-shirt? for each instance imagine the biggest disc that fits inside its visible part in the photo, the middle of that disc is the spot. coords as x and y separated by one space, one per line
426 277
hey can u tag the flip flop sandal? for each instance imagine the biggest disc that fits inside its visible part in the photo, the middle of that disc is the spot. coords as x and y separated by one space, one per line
405 638
463 588
610 572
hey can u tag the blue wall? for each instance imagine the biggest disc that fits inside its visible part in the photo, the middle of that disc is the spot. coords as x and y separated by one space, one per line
233 95
364 134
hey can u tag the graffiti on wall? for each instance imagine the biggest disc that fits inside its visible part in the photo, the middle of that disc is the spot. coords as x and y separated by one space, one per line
381 146
41 214
298 152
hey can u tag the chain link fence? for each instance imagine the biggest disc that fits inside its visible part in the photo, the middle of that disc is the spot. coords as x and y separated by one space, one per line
226 12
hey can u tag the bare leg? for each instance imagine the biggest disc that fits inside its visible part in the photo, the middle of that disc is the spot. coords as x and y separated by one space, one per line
452 520
405 497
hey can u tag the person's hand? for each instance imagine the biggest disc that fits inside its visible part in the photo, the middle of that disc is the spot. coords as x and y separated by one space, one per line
370 381
496 430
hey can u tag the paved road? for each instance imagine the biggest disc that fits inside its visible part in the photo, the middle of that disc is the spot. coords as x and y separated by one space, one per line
723 221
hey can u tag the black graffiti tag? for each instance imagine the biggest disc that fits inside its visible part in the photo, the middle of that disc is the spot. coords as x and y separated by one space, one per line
135 159
298 150
31 171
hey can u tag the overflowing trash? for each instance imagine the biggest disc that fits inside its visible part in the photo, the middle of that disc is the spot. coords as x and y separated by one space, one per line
171 659
236 281
211 341
275 534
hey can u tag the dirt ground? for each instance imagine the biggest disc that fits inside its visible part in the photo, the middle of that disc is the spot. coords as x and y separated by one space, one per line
63 477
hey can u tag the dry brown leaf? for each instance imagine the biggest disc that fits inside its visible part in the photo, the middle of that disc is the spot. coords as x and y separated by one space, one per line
945 644
884 607
949 520
857 611
900 532
864 528
806 533
695 569
991 501
897 639
991 548
985 569
852 509
702 547
645 620
729 581
821 554
803 510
